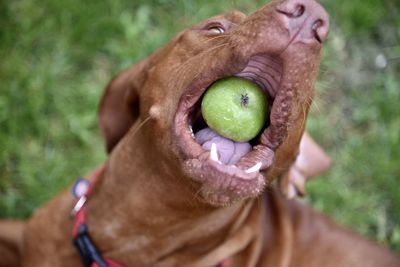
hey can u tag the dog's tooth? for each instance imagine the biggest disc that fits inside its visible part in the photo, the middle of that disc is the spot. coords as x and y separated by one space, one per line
214 152
191 131
291 192
255 168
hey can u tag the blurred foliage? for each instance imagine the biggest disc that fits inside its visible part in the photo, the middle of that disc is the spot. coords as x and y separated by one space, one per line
357 118
57 56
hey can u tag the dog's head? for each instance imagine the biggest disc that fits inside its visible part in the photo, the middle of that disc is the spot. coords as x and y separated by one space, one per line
278 47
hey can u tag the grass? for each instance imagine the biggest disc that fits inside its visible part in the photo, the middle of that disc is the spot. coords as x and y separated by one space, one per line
58 56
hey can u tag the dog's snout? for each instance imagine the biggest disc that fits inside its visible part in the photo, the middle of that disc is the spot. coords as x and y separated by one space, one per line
306 18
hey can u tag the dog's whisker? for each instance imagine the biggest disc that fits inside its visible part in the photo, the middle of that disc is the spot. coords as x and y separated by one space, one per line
140 125
184 67
217 47
196 195
184 72
315 105
304 117
215 38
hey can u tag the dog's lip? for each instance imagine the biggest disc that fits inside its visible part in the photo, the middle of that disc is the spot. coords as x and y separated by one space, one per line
222 184
231 170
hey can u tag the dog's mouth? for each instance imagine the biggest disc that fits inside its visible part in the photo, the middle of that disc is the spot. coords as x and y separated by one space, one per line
230 170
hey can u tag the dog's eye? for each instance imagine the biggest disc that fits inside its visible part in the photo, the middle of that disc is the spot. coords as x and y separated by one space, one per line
216 29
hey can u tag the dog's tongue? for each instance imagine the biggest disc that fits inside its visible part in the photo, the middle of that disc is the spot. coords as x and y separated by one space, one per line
229 151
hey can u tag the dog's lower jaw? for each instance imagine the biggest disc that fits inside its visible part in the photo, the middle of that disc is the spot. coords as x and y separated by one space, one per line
222 185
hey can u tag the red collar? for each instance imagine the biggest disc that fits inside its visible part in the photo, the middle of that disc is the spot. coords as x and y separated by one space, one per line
90 255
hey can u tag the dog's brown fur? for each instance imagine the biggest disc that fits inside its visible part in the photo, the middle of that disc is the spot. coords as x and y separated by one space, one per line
148 209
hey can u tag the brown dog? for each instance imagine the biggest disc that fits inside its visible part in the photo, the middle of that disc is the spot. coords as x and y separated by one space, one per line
164 199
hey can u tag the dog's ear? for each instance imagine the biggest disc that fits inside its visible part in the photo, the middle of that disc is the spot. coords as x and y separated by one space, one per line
119 106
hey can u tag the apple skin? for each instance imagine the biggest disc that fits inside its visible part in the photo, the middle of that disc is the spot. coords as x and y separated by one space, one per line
235 108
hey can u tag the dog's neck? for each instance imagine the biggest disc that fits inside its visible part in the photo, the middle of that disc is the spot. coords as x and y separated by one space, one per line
134 208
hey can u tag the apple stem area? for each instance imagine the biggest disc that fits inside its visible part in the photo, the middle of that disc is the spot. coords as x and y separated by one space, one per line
244 100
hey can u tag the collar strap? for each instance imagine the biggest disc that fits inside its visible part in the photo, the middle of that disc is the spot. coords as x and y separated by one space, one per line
86 248
90 255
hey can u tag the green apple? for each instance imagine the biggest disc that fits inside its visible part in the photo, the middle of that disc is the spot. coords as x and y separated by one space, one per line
235 108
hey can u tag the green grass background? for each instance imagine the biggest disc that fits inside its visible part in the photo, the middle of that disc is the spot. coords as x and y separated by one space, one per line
57 56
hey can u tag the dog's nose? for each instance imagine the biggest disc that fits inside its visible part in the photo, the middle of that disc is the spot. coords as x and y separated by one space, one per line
306 19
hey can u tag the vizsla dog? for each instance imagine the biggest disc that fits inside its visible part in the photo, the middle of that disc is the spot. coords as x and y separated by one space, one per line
175 193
